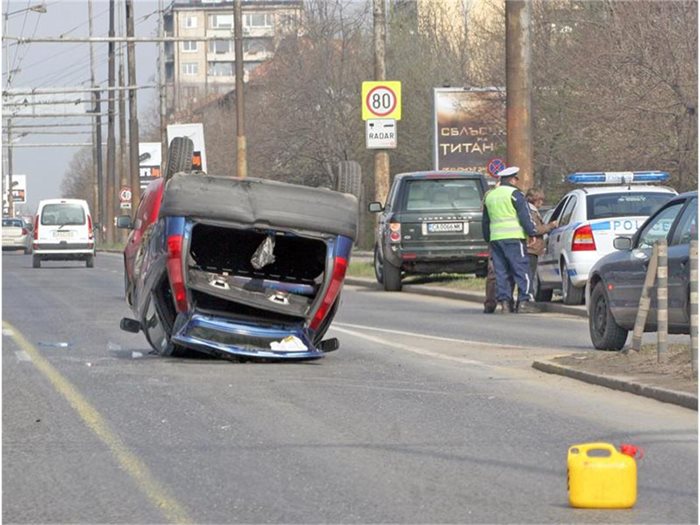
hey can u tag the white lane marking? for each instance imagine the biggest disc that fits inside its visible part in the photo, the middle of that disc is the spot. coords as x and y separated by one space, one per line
415 350
136 355
425 336
7 332
22 355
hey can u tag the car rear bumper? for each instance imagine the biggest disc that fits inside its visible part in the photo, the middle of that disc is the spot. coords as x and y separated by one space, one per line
14 243
437 259
220 336
64 248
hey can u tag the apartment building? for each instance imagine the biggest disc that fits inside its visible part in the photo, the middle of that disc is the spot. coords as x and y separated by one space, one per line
195 71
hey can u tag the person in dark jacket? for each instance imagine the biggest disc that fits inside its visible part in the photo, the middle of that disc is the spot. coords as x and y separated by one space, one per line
506 226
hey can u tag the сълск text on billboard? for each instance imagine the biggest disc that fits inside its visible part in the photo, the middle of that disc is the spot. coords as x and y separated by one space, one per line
470 128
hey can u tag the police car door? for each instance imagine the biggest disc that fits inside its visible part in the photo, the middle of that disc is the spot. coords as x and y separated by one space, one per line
557 238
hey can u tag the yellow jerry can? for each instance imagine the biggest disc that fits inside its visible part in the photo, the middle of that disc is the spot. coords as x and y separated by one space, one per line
600 477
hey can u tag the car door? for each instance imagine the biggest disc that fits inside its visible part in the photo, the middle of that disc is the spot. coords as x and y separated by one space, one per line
684 231
629 274
559 238
547 264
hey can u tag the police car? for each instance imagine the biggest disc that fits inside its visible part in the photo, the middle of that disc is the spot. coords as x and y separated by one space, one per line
610 204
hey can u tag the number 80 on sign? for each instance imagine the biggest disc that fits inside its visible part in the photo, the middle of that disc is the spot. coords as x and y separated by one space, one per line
381 99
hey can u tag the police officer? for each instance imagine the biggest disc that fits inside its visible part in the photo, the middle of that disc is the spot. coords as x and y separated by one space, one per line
506 225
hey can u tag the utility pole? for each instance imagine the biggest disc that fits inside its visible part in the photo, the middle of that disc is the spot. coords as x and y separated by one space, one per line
110 191
161 83
133 116
519 90
98 190
123 164
241 150
10 210
381 157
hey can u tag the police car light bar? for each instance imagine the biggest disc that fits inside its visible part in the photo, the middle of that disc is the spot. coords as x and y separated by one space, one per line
617 177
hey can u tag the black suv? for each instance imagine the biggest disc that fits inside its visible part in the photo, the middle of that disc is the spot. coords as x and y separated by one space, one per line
431 223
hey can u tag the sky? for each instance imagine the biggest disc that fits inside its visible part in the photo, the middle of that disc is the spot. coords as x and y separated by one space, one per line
64 65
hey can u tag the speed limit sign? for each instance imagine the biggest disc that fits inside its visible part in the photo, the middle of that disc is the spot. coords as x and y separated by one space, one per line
381 99
125 194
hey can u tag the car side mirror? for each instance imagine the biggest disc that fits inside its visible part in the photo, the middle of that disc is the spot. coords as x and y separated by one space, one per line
622 243
375 207
124 222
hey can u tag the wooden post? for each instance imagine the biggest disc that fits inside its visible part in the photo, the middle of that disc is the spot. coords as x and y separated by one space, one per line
694 304
645 300
662 301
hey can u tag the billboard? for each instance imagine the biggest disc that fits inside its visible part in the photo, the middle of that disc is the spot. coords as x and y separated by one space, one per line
470 128
150 158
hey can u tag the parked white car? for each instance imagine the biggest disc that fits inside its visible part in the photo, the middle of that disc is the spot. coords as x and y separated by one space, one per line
610 204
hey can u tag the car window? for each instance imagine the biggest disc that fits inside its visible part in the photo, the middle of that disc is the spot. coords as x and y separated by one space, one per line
63 213
568 211
13 222
446 194
624 204
659 227
687 228
557 210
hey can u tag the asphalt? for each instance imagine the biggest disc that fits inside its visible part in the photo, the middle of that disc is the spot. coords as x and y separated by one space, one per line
683 399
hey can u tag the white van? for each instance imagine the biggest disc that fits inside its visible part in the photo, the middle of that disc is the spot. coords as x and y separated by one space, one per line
63 231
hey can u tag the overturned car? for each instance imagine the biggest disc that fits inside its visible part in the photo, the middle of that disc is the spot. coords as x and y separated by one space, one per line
231 267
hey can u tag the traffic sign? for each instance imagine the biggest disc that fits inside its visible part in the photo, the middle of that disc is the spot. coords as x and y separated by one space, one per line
381 99
125 194
495 165
380 133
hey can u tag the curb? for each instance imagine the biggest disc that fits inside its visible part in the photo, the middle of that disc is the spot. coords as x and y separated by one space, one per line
660 394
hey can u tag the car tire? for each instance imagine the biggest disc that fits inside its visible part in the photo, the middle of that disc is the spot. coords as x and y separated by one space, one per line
90 261
378 266
350 178
179 156
570 294
392 277
606 334
36 261
542 295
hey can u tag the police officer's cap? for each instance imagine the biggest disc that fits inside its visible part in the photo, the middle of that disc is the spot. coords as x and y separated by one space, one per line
508 172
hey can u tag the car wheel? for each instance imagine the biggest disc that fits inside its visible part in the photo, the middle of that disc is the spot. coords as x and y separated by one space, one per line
36 261
90 261
378 266
570 294
542 295
179 156
392 277
606 334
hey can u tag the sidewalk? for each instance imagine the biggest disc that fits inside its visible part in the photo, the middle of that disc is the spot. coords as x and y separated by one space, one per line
642 386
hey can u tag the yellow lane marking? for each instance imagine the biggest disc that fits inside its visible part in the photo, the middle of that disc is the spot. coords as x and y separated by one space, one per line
137 469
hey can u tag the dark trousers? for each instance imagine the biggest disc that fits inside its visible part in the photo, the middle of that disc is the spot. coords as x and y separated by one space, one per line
511 262
490 302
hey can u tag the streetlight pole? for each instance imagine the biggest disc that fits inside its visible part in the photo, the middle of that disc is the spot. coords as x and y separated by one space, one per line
381 157
10 210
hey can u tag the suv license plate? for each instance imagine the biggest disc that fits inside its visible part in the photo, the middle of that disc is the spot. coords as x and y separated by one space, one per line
445 227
